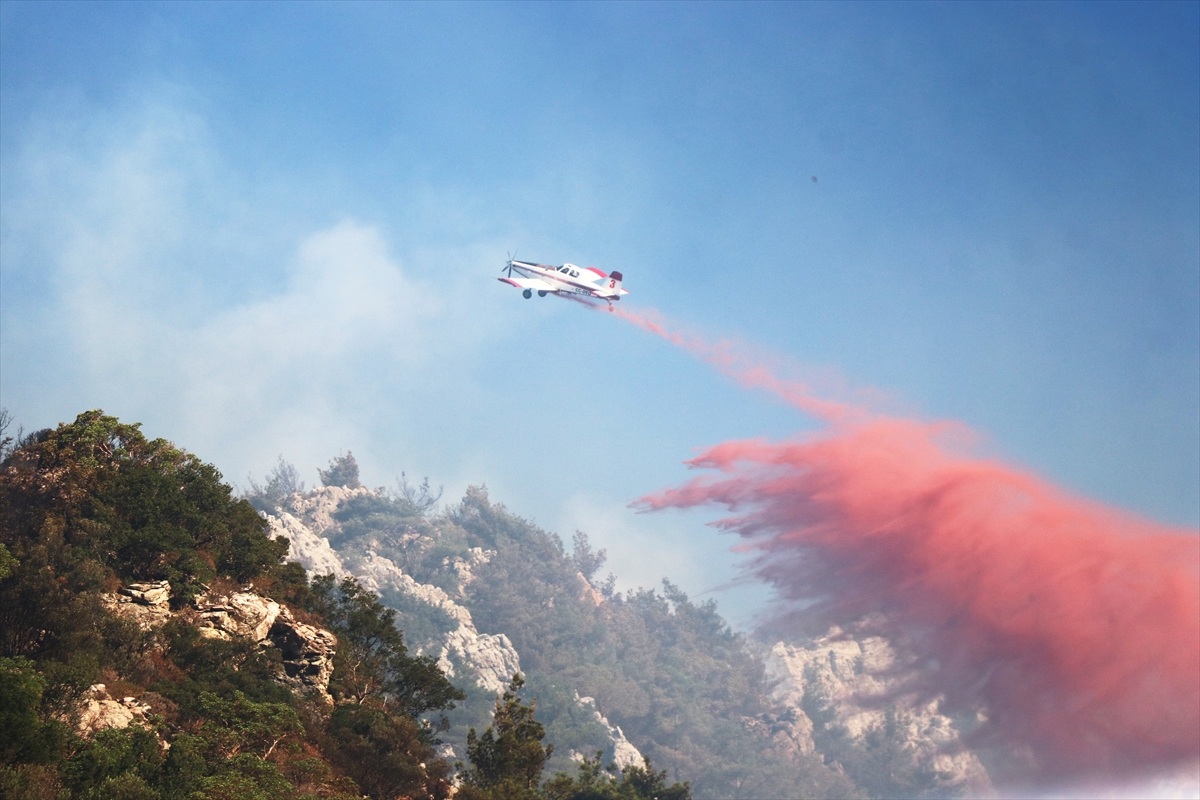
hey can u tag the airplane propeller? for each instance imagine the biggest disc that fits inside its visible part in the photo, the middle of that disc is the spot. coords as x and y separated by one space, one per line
510 266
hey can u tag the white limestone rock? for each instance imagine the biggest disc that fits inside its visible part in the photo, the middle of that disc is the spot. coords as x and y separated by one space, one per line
148 594
491 660
98 711
316 508
147 604
590 593
838 677
307 654
310 550
241 614
464 567
624 753
379 573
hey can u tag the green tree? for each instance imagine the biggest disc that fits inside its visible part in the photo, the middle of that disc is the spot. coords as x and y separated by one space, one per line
343 471
282 480
585 559
372 660
26 734
241 725
507 760
632 783
117 764
386 754
97 494
8 564
93 505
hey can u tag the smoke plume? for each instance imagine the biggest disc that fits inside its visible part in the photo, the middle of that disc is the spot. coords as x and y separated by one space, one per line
1074 628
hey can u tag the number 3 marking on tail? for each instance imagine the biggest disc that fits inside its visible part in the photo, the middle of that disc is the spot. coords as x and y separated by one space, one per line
612 284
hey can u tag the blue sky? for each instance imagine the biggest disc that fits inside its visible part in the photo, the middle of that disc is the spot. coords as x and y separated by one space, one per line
266 229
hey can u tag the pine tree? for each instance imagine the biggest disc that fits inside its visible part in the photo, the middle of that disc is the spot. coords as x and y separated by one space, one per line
507 760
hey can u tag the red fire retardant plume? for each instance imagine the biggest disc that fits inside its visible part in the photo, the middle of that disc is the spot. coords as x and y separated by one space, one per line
1074 628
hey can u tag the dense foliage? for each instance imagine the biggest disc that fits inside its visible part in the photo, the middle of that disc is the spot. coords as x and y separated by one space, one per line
683 687
93 506
508 759
681 684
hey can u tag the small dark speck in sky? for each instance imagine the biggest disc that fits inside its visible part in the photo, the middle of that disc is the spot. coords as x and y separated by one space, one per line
814 178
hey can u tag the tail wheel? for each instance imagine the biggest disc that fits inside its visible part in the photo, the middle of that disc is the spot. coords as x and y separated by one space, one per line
528 293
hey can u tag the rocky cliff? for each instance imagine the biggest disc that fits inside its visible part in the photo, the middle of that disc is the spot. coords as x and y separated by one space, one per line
837 695
489 661
486 661
307 651
823 722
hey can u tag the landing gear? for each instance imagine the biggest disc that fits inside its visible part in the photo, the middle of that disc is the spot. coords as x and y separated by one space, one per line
541 292
528 293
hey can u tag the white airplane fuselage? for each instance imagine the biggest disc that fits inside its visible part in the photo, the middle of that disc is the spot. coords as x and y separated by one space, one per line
567 279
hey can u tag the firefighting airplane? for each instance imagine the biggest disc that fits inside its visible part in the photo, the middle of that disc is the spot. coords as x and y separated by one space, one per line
565 281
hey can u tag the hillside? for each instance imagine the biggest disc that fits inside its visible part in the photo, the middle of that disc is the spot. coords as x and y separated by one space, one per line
642 673
162 638
153 643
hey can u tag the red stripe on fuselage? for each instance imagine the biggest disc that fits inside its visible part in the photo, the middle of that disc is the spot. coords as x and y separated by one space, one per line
553 275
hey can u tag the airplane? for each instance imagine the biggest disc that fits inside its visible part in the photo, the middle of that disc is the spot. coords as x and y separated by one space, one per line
565 281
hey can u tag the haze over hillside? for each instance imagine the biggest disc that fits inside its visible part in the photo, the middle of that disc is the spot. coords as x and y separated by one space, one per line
646 672
906 381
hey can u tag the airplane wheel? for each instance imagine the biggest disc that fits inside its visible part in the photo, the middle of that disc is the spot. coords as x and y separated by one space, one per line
541 293
528 293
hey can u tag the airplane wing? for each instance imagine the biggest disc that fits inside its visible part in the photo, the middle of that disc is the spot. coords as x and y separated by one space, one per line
536 284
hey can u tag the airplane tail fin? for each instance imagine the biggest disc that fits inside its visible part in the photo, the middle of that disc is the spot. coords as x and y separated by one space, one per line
614 282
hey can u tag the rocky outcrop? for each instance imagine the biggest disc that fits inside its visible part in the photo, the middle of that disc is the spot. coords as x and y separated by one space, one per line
788 728
464 567
590 593
316 508
489 660
147 604
624 753
307 654
244 615
839 687
306 649
98 711
307 547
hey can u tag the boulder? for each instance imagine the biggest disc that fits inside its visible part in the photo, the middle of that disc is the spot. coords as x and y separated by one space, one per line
147 604
98 711
241 614
148 594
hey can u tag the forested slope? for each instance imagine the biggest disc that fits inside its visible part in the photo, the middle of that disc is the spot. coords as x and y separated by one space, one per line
639 673
155 645
93 514
649 668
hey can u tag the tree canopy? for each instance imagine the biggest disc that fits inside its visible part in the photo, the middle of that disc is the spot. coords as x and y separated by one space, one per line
94 505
